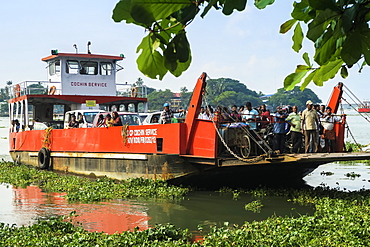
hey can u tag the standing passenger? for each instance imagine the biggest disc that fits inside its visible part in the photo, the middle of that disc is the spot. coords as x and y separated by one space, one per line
279 130
310 121
166 114
234 115
250 115
294 119
265 116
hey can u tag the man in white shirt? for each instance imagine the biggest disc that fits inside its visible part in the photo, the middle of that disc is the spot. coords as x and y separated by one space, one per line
250 116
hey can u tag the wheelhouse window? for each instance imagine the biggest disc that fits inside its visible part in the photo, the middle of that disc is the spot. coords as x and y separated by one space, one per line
54 67
106 68
89 68
72 67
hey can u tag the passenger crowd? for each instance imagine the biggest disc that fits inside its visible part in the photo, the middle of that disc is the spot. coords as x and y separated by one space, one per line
107 121
314 126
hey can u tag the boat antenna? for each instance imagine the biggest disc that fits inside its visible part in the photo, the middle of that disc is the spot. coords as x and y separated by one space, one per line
88 47
75 46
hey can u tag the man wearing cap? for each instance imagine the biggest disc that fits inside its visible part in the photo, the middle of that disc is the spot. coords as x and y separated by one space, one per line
310 121
166 114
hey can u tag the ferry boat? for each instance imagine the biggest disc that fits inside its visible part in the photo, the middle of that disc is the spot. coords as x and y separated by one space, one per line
195 151
364 107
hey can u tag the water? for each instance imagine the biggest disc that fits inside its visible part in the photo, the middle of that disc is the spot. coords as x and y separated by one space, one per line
26 206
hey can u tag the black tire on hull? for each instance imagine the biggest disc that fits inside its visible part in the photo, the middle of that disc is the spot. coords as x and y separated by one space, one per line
44 158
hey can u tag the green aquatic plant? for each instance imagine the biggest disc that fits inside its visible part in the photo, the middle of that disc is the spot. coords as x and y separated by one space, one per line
353 147
88 190
254 206
352 175
326 173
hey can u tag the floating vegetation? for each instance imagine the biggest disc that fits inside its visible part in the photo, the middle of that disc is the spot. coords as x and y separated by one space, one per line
59 231
352 175
326 173
87 190
254 206
353 147
340 219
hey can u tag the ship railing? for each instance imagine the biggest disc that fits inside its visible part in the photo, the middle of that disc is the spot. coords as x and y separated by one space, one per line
27 88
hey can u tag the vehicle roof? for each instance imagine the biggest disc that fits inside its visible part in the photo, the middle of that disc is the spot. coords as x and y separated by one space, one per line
89 110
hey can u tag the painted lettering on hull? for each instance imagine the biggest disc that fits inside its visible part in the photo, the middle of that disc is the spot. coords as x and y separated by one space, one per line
142 136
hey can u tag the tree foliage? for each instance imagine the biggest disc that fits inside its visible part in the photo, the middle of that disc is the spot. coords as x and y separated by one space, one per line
338 28
340 32
293 97
227 92
157 98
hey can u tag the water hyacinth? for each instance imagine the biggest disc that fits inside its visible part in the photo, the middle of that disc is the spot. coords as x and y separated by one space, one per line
86 190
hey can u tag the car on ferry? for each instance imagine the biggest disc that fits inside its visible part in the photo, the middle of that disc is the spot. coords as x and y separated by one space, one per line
177 118
129 118
150 118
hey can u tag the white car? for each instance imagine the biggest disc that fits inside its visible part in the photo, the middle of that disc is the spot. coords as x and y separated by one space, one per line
153 118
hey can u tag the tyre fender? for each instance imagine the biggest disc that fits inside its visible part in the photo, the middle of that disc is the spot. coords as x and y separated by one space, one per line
44 158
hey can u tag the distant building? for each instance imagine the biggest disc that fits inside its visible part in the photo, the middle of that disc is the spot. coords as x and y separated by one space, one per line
265 97
176 100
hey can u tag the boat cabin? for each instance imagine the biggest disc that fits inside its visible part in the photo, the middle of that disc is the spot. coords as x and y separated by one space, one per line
75 82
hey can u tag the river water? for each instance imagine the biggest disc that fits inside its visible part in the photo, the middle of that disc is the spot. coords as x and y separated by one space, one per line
26 206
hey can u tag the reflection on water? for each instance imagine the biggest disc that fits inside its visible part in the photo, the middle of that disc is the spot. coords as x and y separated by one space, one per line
25 206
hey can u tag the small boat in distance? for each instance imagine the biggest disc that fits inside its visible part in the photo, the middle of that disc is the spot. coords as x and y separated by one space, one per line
364 107
193 151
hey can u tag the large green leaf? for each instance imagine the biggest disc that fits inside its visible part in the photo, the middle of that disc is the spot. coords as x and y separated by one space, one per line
344 72
186 14
211 3
293 79
150 62
326 49
323 4
301 11
230 5
317 27
301 68
177 53
352 48
349 16
327 71
142 11
181 67
297 38
261 4
122 11
306 58
286 26
307 80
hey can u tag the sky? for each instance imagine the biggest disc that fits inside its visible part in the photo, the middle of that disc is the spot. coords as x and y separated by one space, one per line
245 46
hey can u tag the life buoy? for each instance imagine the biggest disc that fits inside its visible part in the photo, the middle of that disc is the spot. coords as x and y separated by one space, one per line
44 158
52 90
17 90
134 92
